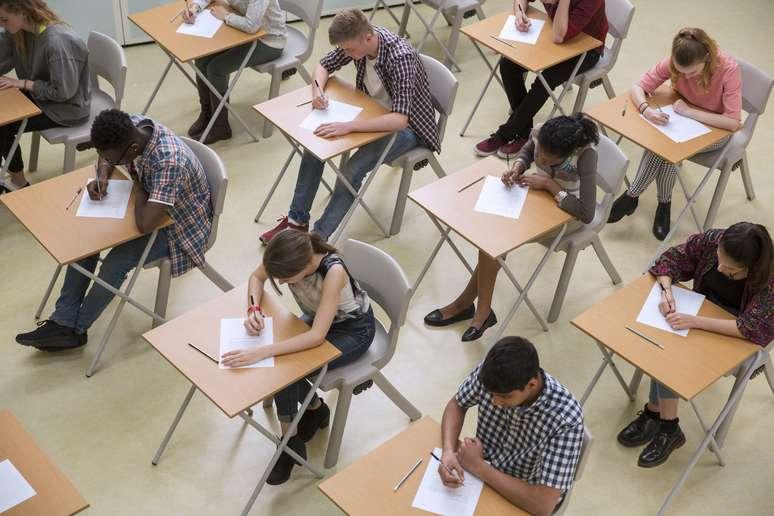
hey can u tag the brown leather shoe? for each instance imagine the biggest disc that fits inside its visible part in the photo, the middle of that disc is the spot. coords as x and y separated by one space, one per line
221 130
197 128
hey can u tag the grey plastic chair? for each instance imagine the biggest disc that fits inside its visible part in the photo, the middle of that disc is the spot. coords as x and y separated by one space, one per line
611 170
619 18
218 181
588 439
756 89
297 49
443 90
381 276
106 60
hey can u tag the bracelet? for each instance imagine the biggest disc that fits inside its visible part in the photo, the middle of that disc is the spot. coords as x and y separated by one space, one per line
642 109
560 196
254 308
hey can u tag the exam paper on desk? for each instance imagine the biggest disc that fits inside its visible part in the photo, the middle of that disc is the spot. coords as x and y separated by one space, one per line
336 112
497 199
204 26
14 488
679 128
686 302
511 33
233 336
112 206
435 497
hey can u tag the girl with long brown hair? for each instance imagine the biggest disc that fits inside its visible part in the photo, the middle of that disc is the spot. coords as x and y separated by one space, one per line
51 64
709 83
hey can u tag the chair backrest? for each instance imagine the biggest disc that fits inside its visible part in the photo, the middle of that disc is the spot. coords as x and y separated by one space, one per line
309 11
383 278
612 164
443 90
756 87
107 60
619 15
217 178
584 455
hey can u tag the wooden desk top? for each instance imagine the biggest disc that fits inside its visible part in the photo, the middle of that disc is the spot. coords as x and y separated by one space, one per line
56 496
638 130
364 488
155 23
493 234
41 209
543 54
234 390
687 365
283 112
16 106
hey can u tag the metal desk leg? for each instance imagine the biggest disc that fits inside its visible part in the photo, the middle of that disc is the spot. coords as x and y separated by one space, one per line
492 74
173 426
713 445
434 253
7 159
429 32
565 89
607 360
684 188
277 179
48 291
158 84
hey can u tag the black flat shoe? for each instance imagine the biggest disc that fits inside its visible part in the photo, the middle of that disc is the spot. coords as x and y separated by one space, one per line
662 220
473 333
623 206
280 473
663 444
640 431
435 318
313 420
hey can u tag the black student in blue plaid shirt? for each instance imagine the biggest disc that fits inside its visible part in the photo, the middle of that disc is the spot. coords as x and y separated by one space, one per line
530 429
390 71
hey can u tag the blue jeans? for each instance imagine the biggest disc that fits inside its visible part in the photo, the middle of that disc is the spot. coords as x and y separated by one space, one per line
77 309
361 162
352 338
657 391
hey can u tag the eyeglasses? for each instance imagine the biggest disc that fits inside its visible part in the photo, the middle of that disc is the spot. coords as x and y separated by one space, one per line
120 159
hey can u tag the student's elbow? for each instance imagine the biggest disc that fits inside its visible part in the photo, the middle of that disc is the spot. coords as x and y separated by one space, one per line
587 216
546 502
143 226
402 121
558 38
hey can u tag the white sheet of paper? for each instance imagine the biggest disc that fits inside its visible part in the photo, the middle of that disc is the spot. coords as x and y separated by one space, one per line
686 301
14 488
679 128
204 26
511 33
435 497
112 206
498 199
233 336
336 112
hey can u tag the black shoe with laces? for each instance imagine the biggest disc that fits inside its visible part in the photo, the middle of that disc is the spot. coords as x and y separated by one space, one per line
639 431
313 420
668 438
281 471
52 336
623 206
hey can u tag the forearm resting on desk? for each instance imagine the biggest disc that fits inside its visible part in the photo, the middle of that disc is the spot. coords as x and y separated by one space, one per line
389 122
722 326
534 498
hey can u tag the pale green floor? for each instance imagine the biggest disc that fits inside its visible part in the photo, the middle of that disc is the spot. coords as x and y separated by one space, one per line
103 431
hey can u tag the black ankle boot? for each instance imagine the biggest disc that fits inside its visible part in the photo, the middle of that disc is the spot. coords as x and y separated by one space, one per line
623 206
662 220
313 420
281 471
668 438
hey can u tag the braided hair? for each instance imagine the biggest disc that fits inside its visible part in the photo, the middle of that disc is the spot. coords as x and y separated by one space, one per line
112 129
562 135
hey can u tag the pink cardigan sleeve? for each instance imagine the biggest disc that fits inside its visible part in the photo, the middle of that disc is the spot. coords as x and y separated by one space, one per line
655 77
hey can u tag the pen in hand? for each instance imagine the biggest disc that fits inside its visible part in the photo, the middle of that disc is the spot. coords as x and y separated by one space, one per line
450 471
322 92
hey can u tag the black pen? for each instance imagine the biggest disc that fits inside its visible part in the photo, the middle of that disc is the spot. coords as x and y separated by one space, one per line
664 290
452 473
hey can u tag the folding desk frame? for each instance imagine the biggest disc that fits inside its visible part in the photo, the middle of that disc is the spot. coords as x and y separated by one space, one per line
8 185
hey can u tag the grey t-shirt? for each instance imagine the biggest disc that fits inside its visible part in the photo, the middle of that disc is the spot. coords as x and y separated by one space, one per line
57 61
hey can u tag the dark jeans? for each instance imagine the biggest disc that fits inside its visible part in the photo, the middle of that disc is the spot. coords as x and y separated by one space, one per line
352 338
8 133
218 67
525 104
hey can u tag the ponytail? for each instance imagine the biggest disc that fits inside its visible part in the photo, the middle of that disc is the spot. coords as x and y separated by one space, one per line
750 245
563 135
690 46
290 251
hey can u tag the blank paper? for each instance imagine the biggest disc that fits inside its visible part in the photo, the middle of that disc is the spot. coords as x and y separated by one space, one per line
112 206
497 199
510 32
679 128
204 26
336 112
435 497
234 336
14 488
686 302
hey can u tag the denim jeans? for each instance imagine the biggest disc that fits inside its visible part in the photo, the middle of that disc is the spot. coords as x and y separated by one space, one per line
361 162
352 338
77 309
657 391
218 67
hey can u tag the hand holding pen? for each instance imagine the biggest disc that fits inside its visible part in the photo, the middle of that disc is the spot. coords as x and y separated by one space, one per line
452 474
319 98
98 188
254 322
667 304
523 23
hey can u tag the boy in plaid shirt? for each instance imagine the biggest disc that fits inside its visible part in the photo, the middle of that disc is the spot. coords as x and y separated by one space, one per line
529 433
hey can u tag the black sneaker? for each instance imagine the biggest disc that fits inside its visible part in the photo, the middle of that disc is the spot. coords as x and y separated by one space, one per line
312 420
663 444
281 471
51 336
640 431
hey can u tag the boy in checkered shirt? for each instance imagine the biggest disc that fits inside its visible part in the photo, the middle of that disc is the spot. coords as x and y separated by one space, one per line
529 433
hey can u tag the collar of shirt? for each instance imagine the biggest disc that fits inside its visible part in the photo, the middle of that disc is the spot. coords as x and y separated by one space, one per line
138 163
540 401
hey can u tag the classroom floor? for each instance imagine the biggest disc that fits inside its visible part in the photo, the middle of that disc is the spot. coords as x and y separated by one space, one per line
103 431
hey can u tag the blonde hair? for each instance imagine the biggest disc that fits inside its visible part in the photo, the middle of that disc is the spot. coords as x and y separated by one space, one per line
347 25
690 46
35 11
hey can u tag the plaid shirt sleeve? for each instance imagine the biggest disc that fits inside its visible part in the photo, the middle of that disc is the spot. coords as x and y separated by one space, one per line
163 184
334 60
405 77
471 391
557 467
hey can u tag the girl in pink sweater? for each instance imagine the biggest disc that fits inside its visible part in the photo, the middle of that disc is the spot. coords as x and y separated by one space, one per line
710 84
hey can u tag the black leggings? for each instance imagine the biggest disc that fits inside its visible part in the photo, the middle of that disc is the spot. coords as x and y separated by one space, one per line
525 104
8 133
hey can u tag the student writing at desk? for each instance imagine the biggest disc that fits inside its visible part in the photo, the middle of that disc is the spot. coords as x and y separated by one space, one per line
569 18
530 429
51 63
734 268
563 150
710 84
248 16
390 71
172 182
335 307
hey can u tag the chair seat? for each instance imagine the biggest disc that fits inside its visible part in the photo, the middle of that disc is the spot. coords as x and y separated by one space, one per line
413 156
295 45
597 71
734 154
155 263
451 5
362 368
74 135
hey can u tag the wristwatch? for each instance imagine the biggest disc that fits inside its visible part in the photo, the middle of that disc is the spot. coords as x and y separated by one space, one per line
560 195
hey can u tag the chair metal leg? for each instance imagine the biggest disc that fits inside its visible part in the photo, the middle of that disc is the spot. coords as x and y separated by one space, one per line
304 73
454 36
580 98
162 290
746 179
605 260
400 202
717 196
769 372
608 86
337 430
69 158
216 277
403 19
396 397
437 168
50 287
32 166
564 282
274 87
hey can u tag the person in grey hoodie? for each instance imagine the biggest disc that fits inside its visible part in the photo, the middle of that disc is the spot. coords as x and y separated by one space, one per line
52 69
